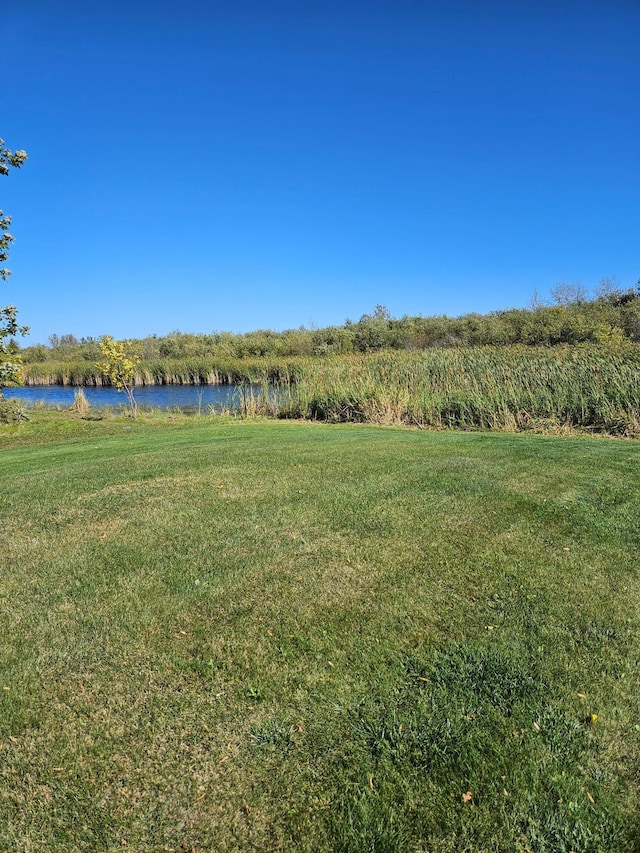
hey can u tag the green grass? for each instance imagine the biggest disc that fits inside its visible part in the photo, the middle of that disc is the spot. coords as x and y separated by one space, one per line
239 635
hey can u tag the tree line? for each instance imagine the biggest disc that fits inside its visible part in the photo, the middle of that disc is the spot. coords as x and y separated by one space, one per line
611 316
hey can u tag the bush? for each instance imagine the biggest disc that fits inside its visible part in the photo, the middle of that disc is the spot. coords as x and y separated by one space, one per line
11 412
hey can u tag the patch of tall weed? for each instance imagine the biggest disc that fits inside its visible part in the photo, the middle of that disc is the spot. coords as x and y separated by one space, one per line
80 405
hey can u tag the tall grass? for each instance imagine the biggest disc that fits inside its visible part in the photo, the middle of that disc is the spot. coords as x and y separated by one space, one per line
80 403
186 371
480 387
513 388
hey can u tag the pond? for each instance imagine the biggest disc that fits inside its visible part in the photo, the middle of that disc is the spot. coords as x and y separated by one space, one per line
189 397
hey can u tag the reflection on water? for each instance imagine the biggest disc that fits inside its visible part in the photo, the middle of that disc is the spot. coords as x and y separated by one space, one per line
192 397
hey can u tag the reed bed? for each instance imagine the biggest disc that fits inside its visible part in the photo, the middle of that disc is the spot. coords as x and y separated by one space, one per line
504 388
511 388
189 371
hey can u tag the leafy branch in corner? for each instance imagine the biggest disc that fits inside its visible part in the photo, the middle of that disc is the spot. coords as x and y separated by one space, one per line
9 361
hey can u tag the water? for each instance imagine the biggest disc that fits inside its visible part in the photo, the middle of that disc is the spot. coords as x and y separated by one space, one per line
151 396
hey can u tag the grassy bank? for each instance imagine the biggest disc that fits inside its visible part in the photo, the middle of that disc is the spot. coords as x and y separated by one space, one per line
281 636
505 388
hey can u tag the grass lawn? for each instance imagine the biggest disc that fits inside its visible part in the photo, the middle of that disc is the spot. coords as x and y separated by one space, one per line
222 636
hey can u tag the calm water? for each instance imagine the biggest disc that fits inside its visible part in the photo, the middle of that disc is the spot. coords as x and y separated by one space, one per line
152 396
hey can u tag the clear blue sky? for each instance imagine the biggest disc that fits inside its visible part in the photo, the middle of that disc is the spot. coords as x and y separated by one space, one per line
242 164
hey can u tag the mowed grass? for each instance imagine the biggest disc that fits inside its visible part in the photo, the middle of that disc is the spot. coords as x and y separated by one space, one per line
285 636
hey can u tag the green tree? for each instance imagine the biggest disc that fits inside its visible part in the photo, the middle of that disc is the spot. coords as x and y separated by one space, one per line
119 367
9 361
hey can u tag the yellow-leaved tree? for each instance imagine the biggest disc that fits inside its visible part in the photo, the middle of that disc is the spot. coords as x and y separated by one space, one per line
119 367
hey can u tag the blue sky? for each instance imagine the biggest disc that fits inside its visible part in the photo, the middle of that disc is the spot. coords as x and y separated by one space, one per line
243 164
